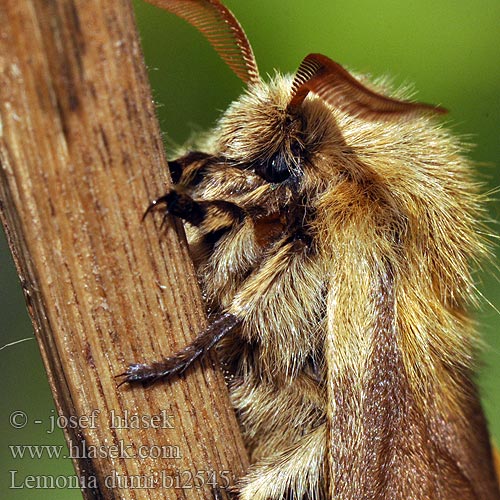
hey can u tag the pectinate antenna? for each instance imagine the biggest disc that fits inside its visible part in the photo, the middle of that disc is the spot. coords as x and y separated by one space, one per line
222 30
336 86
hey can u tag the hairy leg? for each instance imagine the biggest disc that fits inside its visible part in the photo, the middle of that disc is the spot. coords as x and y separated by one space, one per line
207 216
180 361
294 473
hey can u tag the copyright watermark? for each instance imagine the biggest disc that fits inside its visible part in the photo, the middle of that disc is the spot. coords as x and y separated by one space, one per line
115 449
180 480
18 419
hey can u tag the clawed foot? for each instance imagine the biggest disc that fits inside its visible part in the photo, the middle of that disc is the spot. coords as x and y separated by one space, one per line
148 374
179 205
178 363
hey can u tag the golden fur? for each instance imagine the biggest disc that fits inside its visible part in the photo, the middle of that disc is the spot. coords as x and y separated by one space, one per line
334 228
351 371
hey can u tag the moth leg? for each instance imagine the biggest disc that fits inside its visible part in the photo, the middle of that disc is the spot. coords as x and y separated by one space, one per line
208 216
219 494
177 363
296 472
189 170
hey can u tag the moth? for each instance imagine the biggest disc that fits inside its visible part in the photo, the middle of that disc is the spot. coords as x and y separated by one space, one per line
334 225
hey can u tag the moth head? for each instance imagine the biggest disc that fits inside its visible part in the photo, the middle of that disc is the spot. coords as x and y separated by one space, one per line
272 126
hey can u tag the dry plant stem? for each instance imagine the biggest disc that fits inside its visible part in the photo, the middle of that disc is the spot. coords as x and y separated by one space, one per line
81 157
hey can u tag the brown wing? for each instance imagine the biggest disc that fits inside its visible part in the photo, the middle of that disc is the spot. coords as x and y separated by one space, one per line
336 86
222 30
496 459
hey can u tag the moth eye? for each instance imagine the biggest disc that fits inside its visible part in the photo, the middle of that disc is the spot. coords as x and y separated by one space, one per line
275 170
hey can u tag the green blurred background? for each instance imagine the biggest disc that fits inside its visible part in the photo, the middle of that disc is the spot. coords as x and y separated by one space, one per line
449 49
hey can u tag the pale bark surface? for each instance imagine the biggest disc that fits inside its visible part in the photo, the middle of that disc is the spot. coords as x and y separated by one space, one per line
81 155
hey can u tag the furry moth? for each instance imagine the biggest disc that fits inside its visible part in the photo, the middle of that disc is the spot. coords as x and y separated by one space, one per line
333 225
